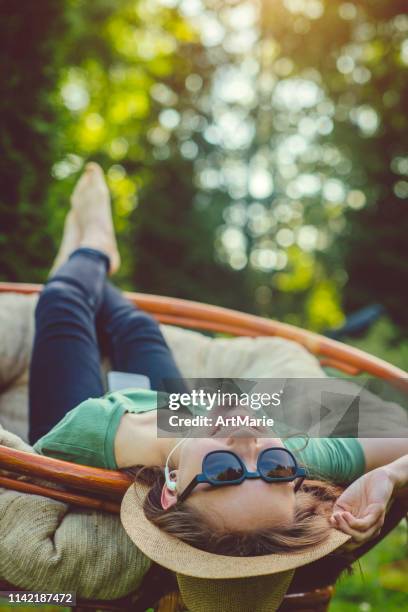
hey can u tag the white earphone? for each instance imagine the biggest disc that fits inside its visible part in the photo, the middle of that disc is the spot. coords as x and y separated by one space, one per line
171 484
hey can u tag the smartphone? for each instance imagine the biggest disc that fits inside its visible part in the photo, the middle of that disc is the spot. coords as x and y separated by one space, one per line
117 381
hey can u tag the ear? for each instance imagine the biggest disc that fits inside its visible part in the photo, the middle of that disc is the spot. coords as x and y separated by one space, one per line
169 497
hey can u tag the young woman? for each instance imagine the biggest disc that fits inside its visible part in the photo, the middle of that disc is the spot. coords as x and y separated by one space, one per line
79 311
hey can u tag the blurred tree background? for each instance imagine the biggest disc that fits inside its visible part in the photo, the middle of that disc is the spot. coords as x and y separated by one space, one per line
255 149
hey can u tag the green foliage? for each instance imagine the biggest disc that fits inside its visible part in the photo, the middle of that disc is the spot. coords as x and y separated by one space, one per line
176 260
31 35
255 155
384 340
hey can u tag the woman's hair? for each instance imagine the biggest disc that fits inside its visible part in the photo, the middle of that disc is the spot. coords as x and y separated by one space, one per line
314 502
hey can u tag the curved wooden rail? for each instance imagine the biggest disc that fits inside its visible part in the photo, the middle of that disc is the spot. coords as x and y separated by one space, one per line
83 501
73 475
317 600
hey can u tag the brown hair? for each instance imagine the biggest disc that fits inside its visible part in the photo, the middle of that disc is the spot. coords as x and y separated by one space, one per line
314 502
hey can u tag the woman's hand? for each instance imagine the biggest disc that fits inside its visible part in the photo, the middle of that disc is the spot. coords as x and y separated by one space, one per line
360 510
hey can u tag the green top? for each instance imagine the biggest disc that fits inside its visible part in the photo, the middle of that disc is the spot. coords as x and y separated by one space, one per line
87 433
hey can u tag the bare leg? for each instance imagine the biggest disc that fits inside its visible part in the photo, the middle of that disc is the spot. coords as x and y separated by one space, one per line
70 241
89 222
91 203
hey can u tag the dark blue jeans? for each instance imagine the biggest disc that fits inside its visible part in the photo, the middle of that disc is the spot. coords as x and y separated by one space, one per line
78 313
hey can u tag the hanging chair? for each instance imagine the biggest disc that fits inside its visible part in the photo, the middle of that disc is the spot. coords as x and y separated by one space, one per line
312 587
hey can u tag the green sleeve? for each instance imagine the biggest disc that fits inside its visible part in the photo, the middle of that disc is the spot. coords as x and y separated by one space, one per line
335 459
86 434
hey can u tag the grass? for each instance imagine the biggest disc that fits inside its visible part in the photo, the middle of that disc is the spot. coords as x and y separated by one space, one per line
368 588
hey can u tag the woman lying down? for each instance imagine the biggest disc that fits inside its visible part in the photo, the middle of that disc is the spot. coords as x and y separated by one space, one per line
270 509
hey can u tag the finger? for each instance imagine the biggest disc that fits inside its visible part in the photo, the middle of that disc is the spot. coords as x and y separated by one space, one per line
362 524
335 516
334 520
343 525
358 536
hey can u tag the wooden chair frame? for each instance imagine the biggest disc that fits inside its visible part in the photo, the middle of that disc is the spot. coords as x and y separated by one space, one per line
107 487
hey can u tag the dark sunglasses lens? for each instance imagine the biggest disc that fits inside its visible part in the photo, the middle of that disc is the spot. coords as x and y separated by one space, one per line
276 463
222 467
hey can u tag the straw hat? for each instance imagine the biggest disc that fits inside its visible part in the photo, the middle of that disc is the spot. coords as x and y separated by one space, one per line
214 582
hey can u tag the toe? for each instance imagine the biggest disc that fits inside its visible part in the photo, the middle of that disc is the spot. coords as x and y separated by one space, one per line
93 167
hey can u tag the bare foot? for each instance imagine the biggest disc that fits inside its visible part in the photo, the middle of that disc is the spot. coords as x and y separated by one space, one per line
91 204
70 241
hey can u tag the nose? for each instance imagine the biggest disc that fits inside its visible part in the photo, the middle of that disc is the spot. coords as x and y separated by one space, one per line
246 447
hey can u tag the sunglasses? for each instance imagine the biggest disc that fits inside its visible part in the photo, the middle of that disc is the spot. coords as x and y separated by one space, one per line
221 468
